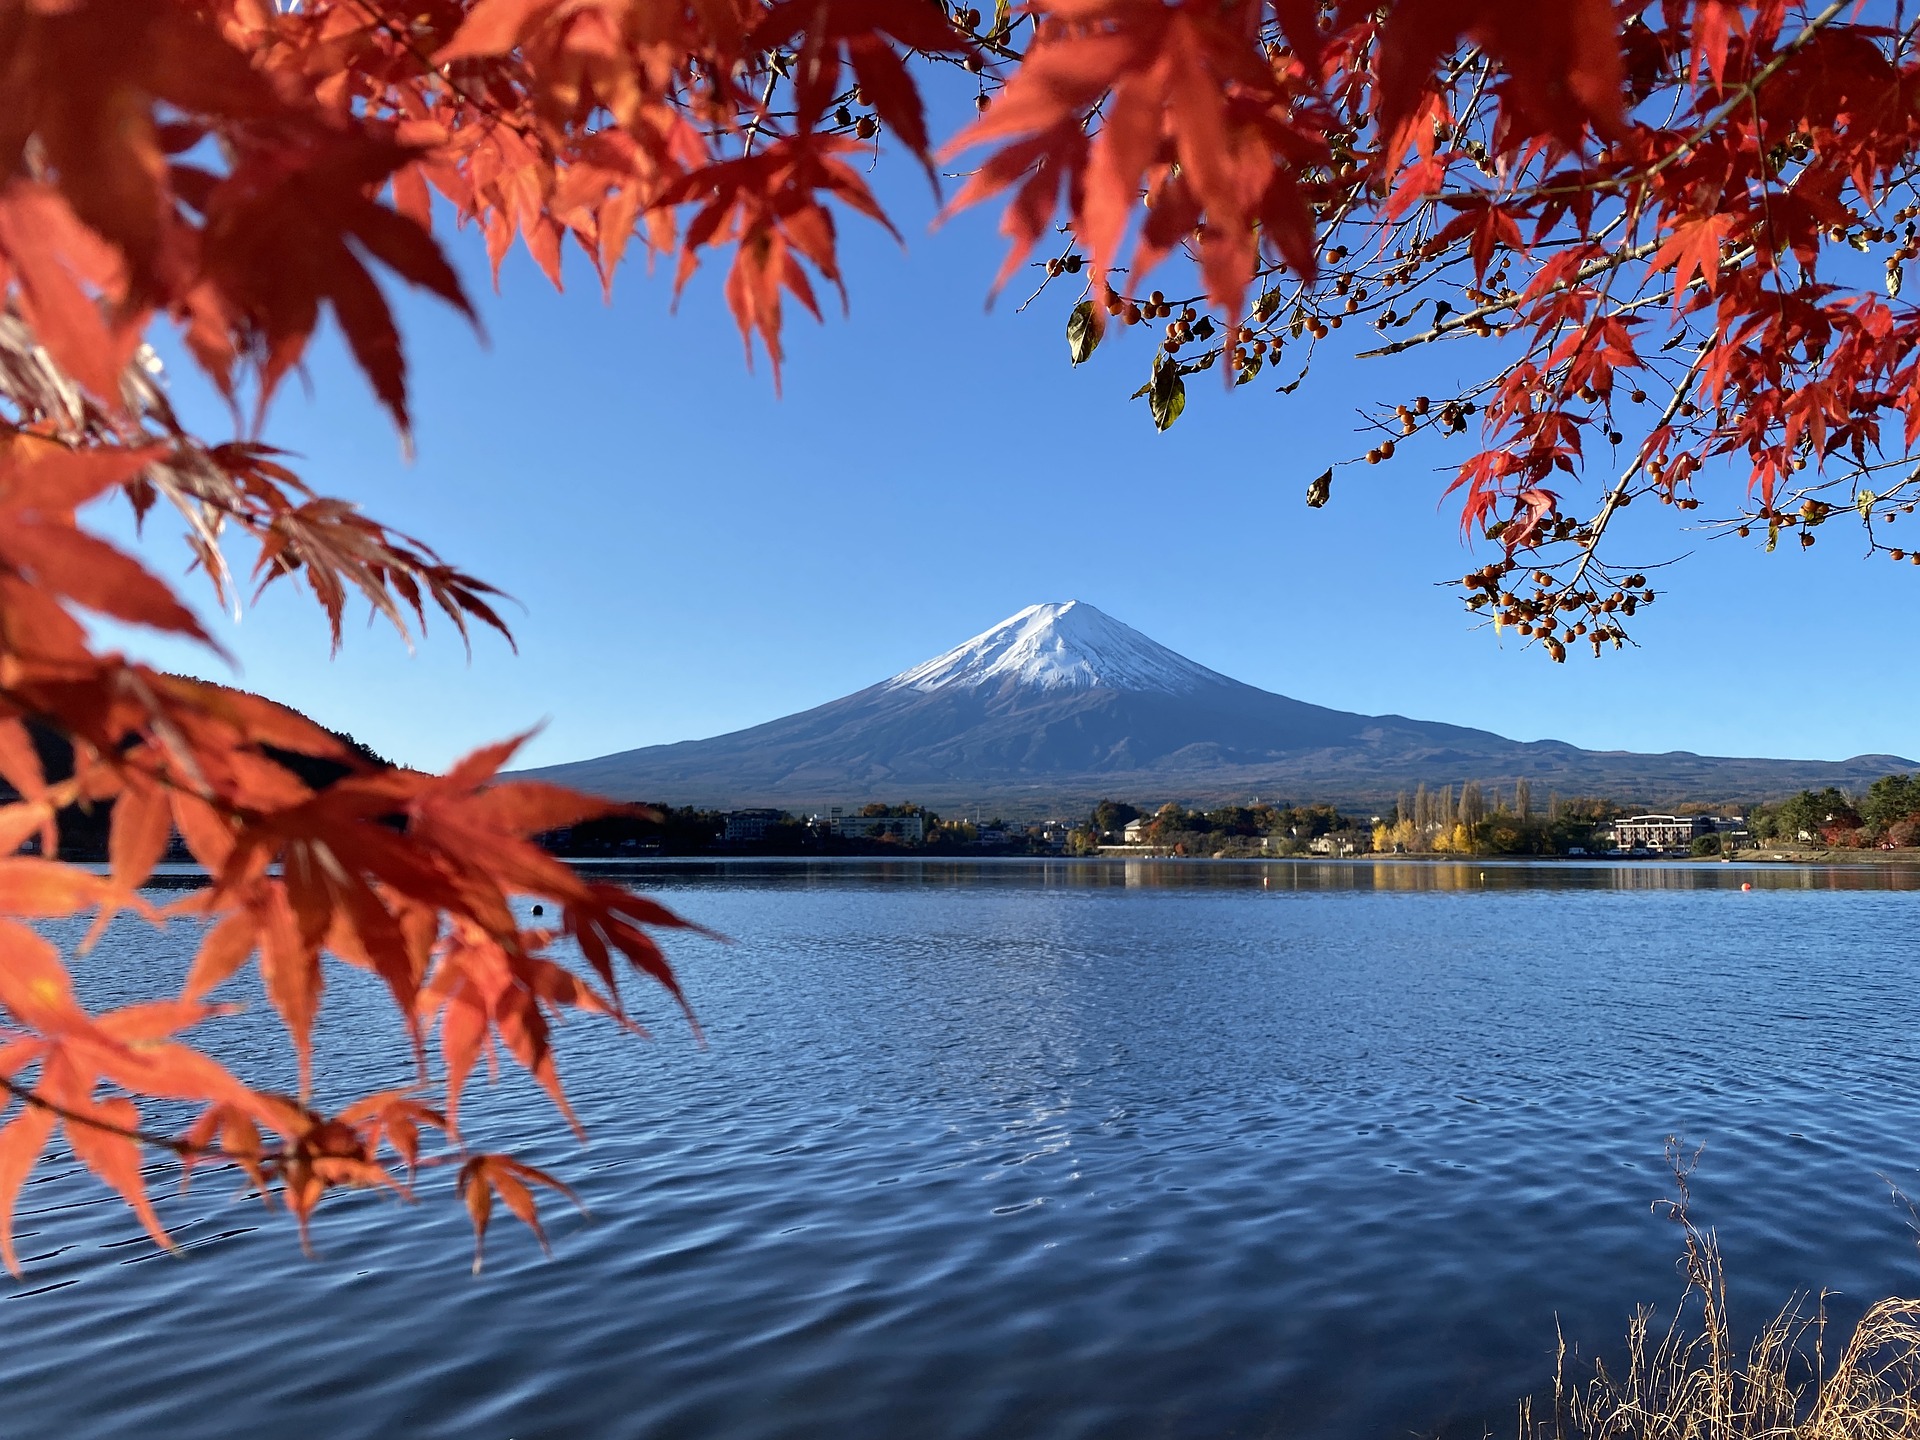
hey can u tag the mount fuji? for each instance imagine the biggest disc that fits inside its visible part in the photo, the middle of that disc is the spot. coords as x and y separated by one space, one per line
1062 704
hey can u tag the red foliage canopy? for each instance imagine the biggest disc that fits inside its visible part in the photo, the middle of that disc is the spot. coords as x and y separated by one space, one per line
1651 213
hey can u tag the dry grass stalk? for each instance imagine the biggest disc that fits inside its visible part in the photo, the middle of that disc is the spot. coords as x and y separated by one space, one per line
1689 1382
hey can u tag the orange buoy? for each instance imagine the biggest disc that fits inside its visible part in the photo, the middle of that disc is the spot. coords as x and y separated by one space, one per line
1747 886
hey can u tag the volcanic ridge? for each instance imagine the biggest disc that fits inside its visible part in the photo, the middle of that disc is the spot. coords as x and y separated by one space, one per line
1062 704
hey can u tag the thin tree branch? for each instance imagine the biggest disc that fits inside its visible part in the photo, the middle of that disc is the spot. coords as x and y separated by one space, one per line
1597 527
1494 307
37 1101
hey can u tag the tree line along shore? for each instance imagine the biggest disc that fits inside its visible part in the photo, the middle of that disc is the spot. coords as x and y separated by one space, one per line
1469 819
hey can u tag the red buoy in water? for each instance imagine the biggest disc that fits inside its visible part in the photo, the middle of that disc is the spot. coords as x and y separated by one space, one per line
1747 886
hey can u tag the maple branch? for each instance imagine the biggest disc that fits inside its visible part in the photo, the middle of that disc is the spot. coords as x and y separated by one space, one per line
1494 307
37 1101
440 73
1471 110
1774 513
1715 118
1597 527
766 99
1597 267
1740 96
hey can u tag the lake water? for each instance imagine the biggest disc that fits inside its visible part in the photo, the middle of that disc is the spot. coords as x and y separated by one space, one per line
1062 1150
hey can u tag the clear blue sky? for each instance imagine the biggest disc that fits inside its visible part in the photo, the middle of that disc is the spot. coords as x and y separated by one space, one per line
691 553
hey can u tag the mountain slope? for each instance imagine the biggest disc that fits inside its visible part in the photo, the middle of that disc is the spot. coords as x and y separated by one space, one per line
1062 704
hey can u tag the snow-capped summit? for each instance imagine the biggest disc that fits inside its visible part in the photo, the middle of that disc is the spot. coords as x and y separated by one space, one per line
1069 646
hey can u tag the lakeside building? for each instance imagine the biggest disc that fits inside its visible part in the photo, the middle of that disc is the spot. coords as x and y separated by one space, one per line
1660 832
1136 831
750 825
1341 842
910 828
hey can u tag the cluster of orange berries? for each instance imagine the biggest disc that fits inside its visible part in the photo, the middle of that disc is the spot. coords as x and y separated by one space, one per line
1155 307
1344 288
1908 235
1451 417
1555 617
1813 512
1253 350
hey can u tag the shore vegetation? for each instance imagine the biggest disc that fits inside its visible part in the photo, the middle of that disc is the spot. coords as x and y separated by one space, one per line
1471 819
1691 1379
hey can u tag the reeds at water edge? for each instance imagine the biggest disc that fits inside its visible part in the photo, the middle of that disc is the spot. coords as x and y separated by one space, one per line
1690 1381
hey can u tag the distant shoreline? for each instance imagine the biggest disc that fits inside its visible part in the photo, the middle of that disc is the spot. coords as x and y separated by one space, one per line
1909 858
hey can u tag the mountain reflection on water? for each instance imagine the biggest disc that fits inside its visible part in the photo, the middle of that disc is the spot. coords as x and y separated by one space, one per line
1056 1149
